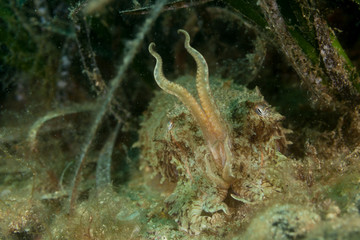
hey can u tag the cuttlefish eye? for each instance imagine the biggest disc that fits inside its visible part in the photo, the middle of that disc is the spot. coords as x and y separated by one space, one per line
261 110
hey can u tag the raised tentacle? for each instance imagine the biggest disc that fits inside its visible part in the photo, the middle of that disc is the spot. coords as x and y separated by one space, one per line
227 174
180 92
202 83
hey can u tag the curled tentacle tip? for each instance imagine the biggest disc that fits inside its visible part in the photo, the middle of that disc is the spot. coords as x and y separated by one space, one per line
187 36
151 46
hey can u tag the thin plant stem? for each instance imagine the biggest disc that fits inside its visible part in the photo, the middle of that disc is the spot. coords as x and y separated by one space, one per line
131 49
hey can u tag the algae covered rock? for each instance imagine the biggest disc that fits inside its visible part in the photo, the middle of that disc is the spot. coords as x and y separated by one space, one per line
282 222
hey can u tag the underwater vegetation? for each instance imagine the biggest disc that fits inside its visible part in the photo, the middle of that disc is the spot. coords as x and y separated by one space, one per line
233 119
